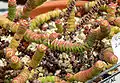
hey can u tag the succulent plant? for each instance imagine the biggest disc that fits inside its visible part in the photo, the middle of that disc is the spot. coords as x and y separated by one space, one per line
70 48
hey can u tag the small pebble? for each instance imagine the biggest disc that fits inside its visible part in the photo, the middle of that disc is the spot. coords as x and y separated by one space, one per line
40 74
1 63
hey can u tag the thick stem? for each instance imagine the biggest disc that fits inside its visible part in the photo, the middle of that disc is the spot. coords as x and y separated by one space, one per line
109 56
22 77
70 7
18 36
42 18
39 38
11 9
37 57
99 34
29 6
71 20
85 75
7 24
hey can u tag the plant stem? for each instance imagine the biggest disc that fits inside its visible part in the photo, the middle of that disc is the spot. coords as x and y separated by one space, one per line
67 46
39 38
18 36
42 18
11 9
85 75
22 77
109 56
37 57
29 6
8 25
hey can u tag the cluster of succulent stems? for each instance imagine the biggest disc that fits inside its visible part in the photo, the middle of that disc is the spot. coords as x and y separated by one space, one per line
23 30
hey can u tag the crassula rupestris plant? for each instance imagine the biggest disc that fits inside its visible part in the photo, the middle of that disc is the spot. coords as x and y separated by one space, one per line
62 43
109 56
12 9
87 74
